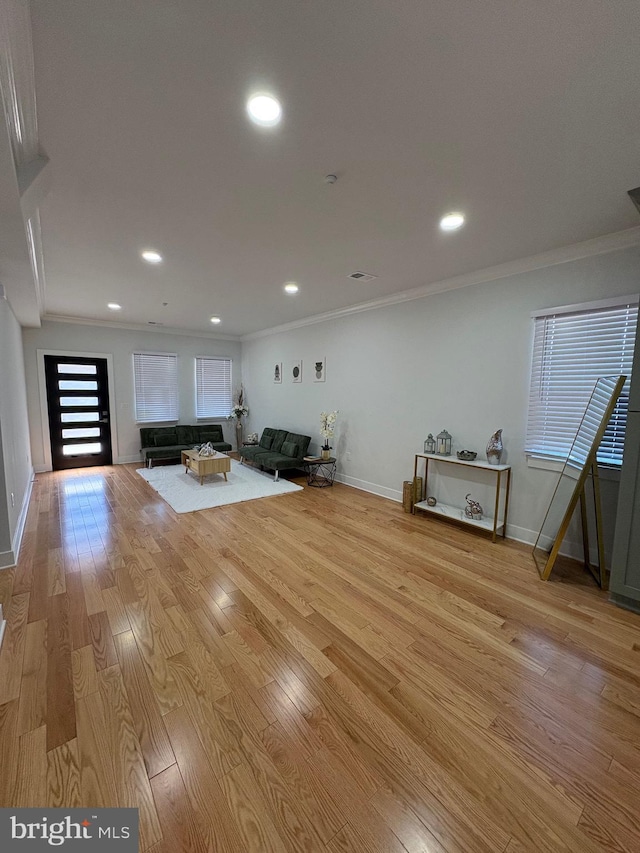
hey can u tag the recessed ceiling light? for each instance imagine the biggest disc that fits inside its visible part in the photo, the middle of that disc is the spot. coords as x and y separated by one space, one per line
291 287
113 306
151 256
452 221
264 110
216 320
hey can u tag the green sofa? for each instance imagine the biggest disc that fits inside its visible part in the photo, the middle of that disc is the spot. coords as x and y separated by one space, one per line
163 443
277 451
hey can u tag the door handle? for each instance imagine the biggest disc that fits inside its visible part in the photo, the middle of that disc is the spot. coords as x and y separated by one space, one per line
104 420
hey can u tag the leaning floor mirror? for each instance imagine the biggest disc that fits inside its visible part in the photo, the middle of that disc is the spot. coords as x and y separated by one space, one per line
581 463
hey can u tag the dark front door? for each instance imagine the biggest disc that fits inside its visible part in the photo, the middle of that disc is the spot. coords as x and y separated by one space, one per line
78 402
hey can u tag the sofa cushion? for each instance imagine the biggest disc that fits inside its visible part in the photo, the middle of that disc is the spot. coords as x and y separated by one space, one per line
289 448
185 434
166 439
266 441
209 435
276 461
252 452
163 452
302 441
278 440
208 432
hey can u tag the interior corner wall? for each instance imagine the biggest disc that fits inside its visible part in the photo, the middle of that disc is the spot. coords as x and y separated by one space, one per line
120 344
458 360
15 455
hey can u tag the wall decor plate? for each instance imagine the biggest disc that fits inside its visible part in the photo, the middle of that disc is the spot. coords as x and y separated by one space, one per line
296 371
319 369
277 373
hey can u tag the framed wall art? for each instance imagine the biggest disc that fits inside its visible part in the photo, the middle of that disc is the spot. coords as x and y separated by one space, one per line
296 371
319 369
277 373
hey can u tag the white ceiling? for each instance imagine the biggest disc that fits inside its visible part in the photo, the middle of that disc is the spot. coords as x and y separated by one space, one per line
521 113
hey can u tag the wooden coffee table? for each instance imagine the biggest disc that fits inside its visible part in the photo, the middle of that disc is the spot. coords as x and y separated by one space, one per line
203 465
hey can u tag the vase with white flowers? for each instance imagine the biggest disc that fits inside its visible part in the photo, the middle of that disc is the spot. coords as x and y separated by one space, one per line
238 411
327 428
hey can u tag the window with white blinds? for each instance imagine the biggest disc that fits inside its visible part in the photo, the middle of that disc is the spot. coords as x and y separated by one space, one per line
573 347
213 387
155 376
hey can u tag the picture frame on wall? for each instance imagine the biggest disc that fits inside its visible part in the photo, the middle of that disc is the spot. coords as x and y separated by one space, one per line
277 373
319 369
296 371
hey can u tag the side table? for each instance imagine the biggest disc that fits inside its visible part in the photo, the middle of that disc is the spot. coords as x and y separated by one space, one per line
321 473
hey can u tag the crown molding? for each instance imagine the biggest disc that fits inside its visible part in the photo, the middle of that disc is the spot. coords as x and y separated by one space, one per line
137 327
589 248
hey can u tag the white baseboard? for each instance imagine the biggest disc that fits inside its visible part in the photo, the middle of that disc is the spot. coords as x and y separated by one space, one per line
10 558
22 518
42 469
372 488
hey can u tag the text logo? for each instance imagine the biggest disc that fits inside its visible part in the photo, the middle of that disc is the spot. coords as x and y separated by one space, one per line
33 830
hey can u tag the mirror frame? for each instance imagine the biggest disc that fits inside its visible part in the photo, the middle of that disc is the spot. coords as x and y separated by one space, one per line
590 465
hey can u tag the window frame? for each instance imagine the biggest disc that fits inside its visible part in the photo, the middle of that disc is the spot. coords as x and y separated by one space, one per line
541 360
174 411
225 406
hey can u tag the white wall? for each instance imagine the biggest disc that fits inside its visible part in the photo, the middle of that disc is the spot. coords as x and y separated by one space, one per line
458 360
120 344
15 455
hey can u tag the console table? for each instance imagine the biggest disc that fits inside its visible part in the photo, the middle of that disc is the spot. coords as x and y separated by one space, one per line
455 513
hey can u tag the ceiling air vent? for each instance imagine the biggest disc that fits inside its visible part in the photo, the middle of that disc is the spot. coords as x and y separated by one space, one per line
362 276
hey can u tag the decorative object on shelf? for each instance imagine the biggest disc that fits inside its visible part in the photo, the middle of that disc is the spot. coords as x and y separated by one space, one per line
407 496
327 428
207 450
430 444
417 489
466 455
238 411
473 509
431 500
494 448
443 445
319 369
277 373
296 371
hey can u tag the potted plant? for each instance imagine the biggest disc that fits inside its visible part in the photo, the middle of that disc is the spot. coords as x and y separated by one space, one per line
327 428
238 411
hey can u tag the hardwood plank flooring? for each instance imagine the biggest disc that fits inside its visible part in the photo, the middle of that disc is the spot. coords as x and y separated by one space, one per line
317 671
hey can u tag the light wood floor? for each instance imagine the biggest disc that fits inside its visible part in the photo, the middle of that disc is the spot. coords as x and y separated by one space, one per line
312 672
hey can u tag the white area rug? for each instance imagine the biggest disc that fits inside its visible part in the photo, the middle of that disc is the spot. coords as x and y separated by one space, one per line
184 493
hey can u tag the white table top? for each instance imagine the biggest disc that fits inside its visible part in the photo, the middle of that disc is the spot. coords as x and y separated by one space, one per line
475 464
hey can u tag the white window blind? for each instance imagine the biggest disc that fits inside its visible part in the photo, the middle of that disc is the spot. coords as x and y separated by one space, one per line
572 349
213 387
155 377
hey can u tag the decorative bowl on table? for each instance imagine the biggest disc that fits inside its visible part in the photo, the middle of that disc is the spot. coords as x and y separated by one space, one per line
466 455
